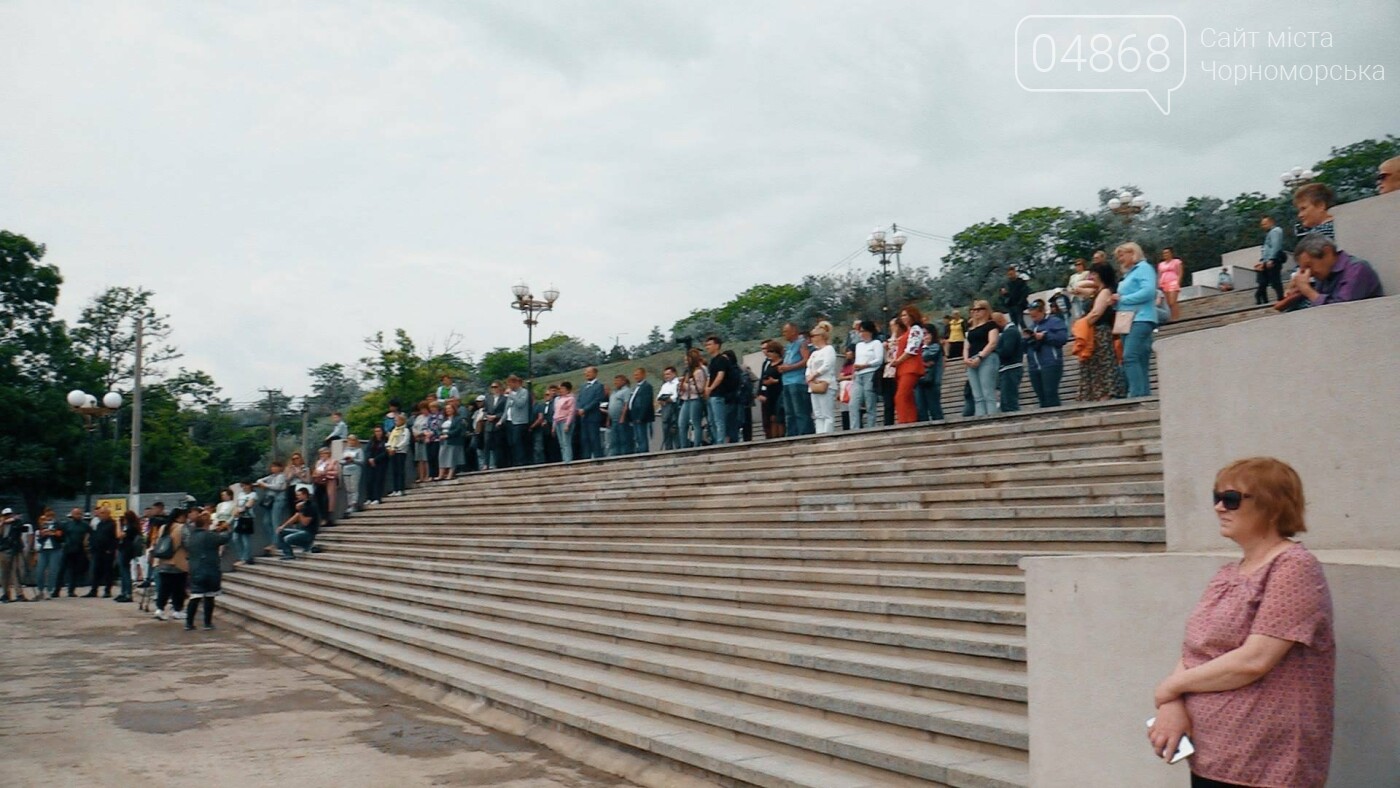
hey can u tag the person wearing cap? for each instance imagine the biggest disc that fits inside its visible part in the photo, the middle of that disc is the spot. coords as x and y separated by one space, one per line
11 555
1045 358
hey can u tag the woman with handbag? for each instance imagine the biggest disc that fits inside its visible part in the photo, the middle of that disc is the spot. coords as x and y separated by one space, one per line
1137 292
173 564
908 364
982 370
821 379
1100 377
245 504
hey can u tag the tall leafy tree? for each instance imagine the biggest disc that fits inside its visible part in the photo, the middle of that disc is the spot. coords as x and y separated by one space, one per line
106 333
41 440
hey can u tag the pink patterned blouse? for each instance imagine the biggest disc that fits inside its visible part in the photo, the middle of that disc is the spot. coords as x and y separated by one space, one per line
1276 732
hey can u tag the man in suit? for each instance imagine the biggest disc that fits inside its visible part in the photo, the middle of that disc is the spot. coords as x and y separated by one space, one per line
590 398
517 420
493 427
641 411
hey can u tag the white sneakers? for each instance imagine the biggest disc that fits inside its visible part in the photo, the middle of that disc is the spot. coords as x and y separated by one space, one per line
160 615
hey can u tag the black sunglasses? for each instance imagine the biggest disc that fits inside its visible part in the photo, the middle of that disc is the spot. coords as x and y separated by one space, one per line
1231 498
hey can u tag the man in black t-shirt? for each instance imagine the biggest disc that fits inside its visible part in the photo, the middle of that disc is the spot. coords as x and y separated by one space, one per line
719 394
300 529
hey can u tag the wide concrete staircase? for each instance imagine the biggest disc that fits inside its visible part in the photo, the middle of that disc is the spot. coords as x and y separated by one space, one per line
844 611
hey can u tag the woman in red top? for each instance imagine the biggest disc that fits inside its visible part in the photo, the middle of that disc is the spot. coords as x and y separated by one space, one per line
908 363
1254 687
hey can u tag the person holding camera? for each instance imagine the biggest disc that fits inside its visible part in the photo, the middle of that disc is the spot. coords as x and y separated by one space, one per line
11 555
206 575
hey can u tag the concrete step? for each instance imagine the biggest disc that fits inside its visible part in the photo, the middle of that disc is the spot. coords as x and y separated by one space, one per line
667 701
999 685
774 494
984 640
751 762
953 583
994 609
450 547
1074 538
886 706
521 481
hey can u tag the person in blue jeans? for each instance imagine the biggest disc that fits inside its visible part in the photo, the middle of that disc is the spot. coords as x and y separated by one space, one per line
797 403
1137 292
300 529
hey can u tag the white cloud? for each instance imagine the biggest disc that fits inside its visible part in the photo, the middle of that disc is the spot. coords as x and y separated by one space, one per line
292 177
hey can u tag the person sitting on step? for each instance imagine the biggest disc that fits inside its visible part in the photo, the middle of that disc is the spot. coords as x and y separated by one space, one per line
300 529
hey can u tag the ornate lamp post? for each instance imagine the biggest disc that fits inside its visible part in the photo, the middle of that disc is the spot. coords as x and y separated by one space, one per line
90 409
886 247
1297 177
1126 205
526 303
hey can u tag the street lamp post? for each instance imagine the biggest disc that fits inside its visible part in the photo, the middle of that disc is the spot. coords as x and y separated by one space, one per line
1126 205
90 409
1297 177
531 307
886 247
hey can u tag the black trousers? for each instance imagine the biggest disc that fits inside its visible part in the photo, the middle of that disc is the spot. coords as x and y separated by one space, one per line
104 564
72 570
517 436
170 587
193 607
374 487
398 467
1269 277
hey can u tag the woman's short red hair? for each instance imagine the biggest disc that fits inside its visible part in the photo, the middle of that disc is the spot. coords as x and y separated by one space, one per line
1276 489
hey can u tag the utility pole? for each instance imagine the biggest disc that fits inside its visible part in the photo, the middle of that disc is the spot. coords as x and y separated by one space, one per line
134 483
305 425
271 424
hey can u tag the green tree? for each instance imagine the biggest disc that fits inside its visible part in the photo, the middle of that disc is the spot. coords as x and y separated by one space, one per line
106 333
332 388
41 440
1351 170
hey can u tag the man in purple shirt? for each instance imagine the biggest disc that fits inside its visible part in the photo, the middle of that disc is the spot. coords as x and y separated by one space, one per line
1336 276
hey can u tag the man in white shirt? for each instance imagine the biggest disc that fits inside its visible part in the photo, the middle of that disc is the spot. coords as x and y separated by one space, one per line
668 403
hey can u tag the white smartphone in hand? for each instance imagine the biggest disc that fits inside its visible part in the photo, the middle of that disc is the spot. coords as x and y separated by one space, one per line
1184 748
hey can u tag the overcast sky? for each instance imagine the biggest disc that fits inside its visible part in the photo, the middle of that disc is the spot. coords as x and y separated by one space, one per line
290 177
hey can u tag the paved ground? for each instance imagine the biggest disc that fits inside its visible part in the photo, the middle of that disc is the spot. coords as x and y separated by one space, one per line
95 694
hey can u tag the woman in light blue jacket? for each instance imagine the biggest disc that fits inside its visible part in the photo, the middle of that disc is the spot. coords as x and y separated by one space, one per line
1137 292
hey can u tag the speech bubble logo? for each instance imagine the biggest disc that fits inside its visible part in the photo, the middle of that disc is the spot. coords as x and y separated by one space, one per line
1102 53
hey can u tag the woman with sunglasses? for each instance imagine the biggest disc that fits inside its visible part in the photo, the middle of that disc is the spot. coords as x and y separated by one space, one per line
1254 686
982 370
821 374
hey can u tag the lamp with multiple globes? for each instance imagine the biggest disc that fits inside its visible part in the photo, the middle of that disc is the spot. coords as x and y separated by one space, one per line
1126 204
886 245
1297 177
526 303
91 409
